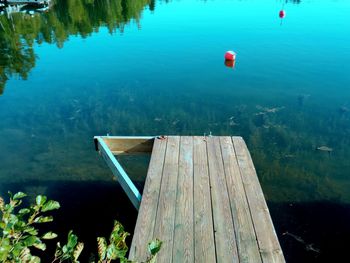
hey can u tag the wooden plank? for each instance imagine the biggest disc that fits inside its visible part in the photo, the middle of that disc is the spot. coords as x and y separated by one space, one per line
148 210
204 249
129 145
248 249
225 241
183 249
270 249
123 179
164 228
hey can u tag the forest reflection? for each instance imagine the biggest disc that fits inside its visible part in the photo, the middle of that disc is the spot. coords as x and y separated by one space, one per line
19 31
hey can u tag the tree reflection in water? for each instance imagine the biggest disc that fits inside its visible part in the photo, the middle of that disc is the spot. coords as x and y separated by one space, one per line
20 31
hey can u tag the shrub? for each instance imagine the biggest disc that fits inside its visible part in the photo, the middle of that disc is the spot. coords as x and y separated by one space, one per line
20 234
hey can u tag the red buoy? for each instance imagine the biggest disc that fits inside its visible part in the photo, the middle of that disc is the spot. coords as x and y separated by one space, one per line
282 14
230 63
230 55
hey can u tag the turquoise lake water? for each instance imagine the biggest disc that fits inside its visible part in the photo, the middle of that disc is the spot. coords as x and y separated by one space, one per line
142 67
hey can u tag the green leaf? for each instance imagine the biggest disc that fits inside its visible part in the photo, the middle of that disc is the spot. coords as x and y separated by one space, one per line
154 246
20 225
17 249
34 259
102 248
15 203
50 205
29 241
3 253
24 211
31 230
5 249
112 252
122 249
25 255
40 245
12 220
152 259
40 200
118 228
5 242
19 195
77 251
9 208
58 251
64 249
49 235
43 219
2 203
72 240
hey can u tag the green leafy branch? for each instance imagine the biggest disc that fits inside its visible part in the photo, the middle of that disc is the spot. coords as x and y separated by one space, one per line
19 229
117 248
19 234
70 251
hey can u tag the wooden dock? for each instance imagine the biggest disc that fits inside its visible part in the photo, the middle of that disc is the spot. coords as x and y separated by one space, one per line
202 198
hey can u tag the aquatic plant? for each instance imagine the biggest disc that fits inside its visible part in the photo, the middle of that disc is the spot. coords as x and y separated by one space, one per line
20 234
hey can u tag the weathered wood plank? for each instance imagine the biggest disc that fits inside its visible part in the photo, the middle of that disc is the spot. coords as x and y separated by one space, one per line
164 228
247 244
117 170
225 241
204 249
270 249
129 145
148 210
183 249
203 199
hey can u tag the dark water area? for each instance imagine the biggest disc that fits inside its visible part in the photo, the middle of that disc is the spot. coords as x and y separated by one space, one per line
315 231
84 68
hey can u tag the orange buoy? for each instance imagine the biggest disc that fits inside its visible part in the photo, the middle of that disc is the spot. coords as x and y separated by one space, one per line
230 55
282 14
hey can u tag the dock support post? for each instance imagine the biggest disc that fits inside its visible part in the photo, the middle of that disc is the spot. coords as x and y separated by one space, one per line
118 171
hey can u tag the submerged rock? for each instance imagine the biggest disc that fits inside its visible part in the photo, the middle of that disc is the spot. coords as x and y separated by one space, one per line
233 123
302 98
324 149
344 109
265 110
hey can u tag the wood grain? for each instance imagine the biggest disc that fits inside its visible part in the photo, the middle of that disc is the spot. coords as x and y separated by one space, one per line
269 246
247 244
164 228
225 241
148 209
204 249
132 145
183 249
203 199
